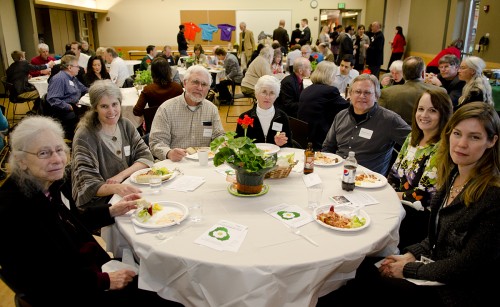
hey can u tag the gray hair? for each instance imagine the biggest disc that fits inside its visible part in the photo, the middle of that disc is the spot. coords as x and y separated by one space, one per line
268 81
21 138
300 63
324 73
43 46
67 60
306 48
397 66
197 69
100 51
112 51
267 53
478 81
449 59
98 90
364 77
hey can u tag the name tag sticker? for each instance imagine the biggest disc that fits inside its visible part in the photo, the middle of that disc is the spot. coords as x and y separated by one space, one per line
365 133
71 83
126 149
207 132
277 126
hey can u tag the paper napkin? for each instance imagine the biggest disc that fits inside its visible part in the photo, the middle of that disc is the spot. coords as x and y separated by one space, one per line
185 183
291 215
224 236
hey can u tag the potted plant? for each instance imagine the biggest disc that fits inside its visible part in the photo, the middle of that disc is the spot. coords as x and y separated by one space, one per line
250 163
189 62
142 78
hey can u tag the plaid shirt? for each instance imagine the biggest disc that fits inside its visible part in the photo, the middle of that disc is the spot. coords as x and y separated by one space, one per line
176 126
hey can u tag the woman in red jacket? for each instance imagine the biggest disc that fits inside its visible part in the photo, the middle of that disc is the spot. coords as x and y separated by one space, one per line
398 45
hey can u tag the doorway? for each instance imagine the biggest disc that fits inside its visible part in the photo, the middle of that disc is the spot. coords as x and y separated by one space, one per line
335 17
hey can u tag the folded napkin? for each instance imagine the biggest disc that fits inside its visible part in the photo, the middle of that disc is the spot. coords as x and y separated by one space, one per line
224 236
185 183
291 215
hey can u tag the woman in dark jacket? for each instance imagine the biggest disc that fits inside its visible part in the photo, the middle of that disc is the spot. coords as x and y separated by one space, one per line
96 70
270 124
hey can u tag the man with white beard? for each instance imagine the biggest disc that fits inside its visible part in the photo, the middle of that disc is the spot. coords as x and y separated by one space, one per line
188 120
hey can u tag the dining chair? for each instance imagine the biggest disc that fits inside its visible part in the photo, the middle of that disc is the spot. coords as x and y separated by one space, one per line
15 100
249 100
300 132
149 115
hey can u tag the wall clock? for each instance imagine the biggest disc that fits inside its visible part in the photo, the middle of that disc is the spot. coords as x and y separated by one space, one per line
314 4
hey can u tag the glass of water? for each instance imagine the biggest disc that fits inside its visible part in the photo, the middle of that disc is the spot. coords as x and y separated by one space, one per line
196 212
155 184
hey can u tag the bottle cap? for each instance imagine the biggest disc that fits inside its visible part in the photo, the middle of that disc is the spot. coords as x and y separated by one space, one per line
351 153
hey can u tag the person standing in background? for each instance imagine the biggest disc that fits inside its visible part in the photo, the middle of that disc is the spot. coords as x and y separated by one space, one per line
398 46
86 49
305 35
247 45
295 35
361 40
281 35
181 41
375 50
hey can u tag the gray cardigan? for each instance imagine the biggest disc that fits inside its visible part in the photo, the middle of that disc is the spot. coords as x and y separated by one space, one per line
92 162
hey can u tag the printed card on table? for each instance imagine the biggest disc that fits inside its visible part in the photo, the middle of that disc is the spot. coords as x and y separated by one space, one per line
224 236
355 199
291 215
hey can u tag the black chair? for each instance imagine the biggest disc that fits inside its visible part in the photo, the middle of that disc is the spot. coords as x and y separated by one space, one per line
300 132
129 82
15 100
20 298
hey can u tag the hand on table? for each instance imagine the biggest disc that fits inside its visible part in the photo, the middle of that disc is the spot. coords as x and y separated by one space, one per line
126 204
176 154
280 138
120 279
393 265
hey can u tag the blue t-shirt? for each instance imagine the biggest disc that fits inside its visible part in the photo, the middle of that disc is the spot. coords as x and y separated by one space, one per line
207 30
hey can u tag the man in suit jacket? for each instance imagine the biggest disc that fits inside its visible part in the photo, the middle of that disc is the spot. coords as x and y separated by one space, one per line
375 51
295 34
281 35
345 44
151 53
247 45
401 98
233 73
292 86
305 35
17 74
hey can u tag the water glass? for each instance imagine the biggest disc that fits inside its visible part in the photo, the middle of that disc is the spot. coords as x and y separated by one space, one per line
314 194
203 155
155 184
196 213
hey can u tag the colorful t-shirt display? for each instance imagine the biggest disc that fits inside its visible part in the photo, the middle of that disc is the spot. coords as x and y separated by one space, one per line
226 31
191 30
207 31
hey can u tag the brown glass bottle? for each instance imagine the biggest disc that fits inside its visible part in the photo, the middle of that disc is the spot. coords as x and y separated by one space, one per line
309 159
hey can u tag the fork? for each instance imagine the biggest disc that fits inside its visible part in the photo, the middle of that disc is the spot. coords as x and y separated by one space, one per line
296 231
163 239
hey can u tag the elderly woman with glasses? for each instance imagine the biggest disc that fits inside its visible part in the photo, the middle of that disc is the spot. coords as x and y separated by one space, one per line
477 87
107 148
270 124
45 234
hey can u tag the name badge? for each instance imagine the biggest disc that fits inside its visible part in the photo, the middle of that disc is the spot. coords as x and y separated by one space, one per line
71 83
277 126
207 132
411 152
126 149
365 133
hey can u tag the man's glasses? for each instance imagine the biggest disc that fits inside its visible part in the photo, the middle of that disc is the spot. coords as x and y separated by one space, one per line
199 83
47 153
360 92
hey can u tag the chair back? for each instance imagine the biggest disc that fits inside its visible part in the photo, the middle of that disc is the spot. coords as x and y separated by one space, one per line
129 82
149 115
45 108
9 89
300 131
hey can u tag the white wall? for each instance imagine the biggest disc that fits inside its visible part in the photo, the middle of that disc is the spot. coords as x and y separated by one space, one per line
397 14
144 22
10 33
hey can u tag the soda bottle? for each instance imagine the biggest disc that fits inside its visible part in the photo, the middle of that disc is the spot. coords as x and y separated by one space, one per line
309 159
349 176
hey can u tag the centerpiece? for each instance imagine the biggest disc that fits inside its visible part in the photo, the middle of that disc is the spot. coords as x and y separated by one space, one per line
250 163
141 79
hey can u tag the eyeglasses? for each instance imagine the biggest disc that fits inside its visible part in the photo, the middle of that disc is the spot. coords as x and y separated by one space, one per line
199 83
47 153
364 93
268 94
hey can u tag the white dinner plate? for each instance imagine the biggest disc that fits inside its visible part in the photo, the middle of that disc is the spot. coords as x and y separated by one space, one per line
322 162
268 148
145 170
194 156
345 211
172 213
379 182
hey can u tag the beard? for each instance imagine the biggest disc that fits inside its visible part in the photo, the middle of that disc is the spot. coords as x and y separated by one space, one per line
194 98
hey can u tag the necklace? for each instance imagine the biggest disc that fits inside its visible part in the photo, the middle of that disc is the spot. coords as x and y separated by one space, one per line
113 135
455 190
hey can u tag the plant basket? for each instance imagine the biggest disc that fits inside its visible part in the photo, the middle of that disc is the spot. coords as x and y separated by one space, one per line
281 172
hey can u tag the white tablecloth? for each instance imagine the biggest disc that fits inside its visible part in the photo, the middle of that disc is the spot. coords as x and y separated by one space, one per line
217 72
130 65
130 97
40 84
273 267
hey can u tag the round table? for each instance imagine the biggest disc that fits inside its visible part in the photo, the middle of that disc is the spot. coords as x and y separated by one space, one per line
40 84
273 266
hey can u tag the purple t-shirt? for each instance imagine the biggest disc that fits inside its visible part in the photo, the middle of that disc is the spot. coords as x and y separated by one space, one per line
226 31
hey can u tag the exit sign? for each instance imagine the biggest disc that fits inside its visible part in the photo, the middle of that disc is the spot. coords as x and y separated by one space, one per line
341 6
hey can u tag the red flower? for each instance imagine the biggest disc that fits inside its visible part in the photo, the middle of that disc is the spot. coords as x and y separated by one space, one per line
148 61
245 122
316 56
367 71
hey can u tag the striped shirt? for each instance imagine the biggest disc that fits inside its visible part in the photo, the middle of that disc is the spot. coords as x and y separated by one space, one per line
177 126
